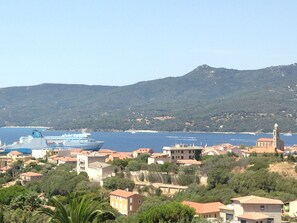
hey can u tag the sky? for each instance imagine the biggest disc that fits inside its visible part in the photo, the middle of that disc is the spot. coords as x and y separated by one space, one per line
119 43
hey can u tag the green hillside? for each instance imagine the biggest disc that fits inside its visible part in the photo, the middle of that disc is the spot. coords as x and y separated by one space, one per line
206 99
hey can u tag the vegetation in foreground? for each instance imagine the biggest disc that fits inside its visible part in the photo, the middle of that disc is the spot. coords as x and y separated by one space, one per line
62 189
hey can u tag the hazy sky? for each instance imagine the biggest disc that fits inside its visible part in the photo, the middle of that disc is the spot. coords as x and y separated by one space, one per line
123 42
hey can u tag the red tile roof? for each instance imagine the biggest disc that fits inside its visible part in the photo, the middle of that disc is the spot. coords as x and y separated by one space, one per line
66 159
256 200
31 174
159 155
144 150
267 149
122 193
204 208
106 151
5 168
253 216
120 155
265 140
15 153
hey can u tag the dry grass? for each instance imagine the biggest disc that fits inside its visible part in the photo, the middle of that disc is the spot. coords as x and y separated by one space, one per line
286 169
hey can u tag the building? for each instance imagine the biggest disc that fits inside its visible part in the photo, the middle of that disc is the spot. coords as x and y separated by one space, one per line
158 158
119 156
253 209
125 202
15 154
264 150
264 142
183 152
291 208
63 160
94 166
97 171
139 151
209 211
106 152
274 142
30 176
39 153
5 169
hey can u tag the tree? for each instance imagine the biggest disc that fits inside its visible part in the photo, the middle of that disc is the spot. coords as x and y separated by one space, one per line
27 202
113 183
171 212
217 176
80 210
8 193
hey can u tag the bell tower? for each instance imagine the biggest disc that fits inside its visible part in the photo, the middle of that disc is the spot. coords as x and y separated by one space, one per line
275 142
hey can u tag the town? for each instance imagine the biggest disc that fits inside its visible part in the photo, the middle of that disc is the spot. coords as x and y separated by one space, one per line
220 183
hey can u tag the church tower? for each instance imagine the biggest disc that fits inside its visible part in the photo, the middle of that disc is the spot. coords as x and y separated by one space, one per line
276 139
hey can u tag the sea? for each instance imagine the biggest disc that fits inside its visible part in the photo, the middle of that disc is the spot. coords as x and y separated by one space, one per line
128 141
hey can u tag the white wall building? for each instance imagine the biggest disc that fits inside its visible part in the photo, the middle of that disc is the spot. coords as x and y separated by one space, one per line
94 166
39 153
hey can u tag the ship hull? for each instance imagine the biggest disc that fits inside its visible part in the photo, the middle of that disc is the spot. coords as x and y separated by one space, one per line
27 144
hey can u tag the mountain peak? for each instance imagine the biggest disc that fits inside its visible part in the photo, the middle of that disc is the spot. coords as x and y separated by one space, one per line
204 66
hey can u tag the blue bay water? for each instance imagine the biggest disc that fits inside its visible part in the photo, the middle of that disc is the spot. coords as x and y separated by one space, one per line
126 141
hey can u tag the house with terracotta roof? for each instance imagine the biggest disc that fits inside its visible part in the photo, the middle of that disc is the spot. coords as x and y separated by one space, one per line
30 176
264 150
139 151
125 202
209 211
158 158
63 160
14 154
264 142
252 209
119 155
106 152
5 169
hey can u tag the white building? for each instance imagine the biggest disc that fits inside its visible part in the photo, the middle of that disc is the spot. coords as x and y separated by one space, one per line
39 153
183 152
253 209
158 158
94 166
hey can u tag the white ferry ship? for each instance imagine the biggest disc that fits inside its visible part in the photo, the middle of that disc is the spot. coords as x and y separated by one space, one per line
65 141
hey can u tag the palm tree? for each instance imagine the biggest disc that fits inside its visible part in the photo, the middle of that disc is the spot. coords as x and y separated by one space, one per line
80 210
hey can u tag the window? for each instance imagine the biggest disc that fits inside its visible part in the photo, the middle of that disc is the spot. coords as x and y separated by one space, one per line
131 200
190 157
270 220
139 201
243 221
173 157
262 208
229 216
190 151
182 157
182 151
131 207
172 152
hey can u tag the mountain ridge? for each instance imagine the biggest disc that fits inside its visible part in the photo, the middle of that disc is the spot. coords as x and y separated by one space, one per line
205 99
